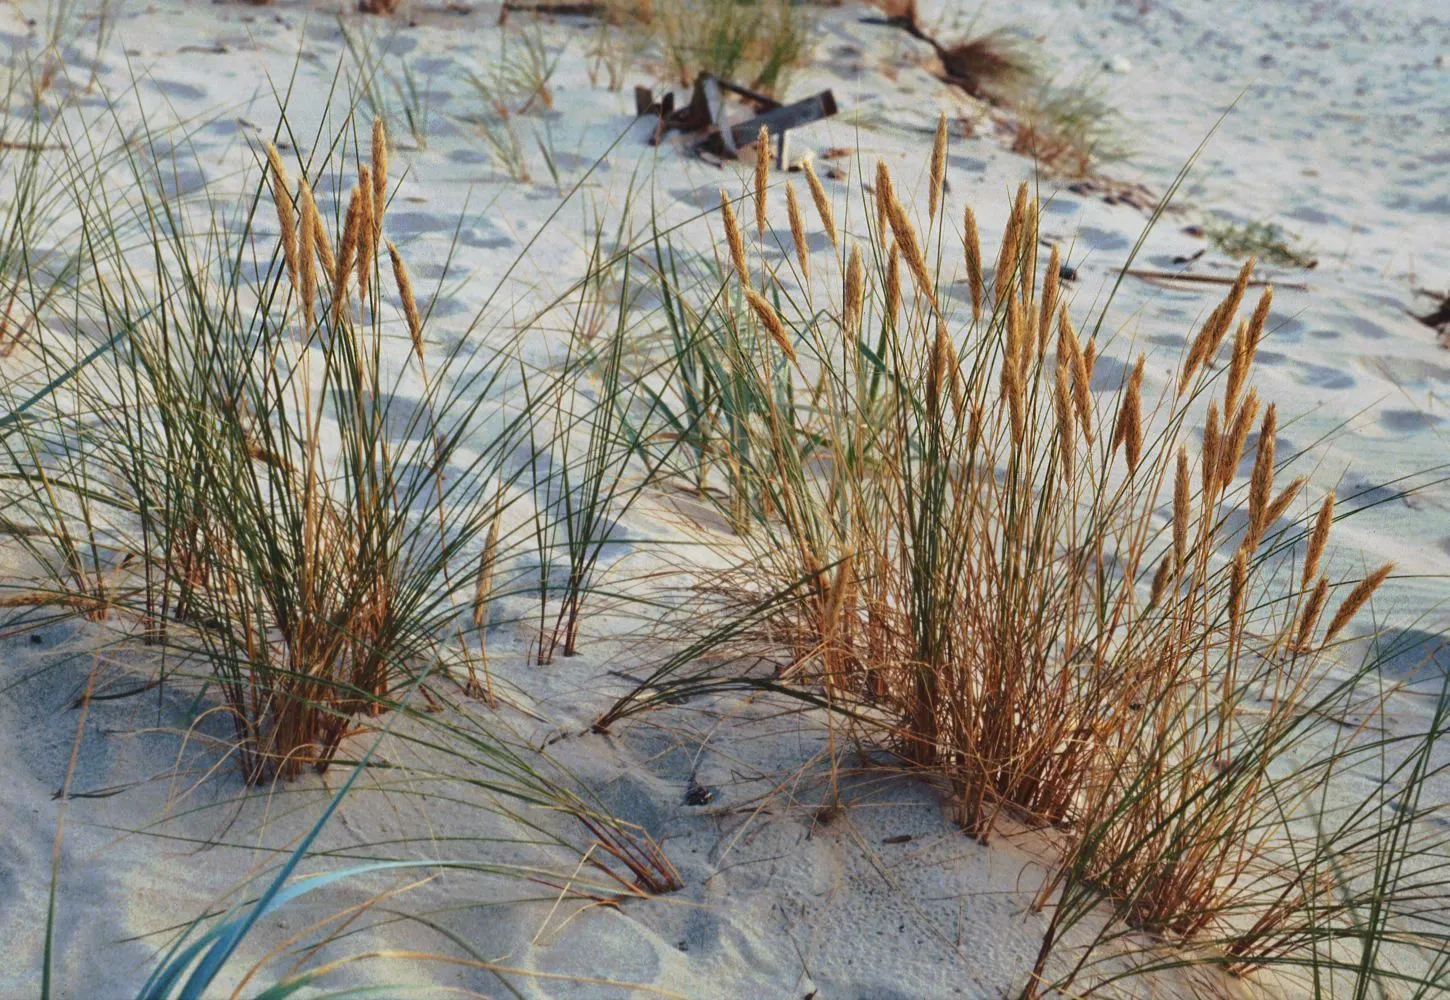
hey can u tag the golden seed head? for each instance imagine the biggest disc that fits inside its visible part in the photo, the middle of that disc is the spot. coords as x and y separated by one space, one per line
954 372
1161 577
410 303
307 252
1007 256
347 251
279 171
771 320
323 246
1283 500
823 204
1209 457
1319 537
762 176
885 195
1228 310
1236 294
1021 312
380 176
1049 298
733 239
1238 368
1070 350
1062 401
1128 432
366 249
1028 243
1237 587
1261 480
1016 346
1261 315
855 293
972 246
911 251
1231 450
483 593
286 221
1017 408
938 166
893 284
945 367
1012 371
1181 504
1309 617
797 230
1357 599
1197 352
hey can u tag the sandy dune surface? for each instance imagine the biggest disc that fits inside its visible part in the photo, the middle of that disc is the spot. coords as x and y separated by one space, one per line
1338 132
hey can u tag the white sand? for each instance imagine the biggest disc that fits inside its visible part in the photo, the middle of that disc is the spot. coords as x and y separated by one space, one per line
1340 136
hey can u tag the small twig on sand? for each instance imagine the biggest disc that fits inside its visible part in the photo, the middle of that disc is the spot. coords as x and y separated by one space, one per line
562 9
1210 279
29 147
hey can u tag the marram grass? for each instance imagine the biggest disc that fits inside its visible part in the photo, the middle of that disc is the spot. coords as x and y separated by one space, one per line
1072 611
972 569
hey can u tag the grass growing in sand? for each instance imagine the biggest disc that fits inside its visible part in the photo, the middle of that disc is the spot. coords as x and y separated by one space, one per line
756 43
1052 598
1070 129
1263 240
966 549
215 457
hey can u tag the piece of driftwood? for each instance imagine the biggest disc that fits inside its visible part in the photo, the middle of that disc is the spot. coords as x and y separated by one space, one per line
750 95
715 106
777 121
708 113
1436 318
693 117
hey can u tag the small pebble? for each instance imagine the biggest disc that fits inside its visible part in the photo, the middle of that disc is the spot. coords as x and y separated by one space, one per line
1117 64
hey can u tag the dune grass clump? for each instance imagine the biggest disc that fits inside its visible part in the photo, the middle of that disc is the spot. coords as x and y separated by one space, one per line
755 43
271 515
1049 595
246 502
515 83
1264 240
234 454
1069 129
997 64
